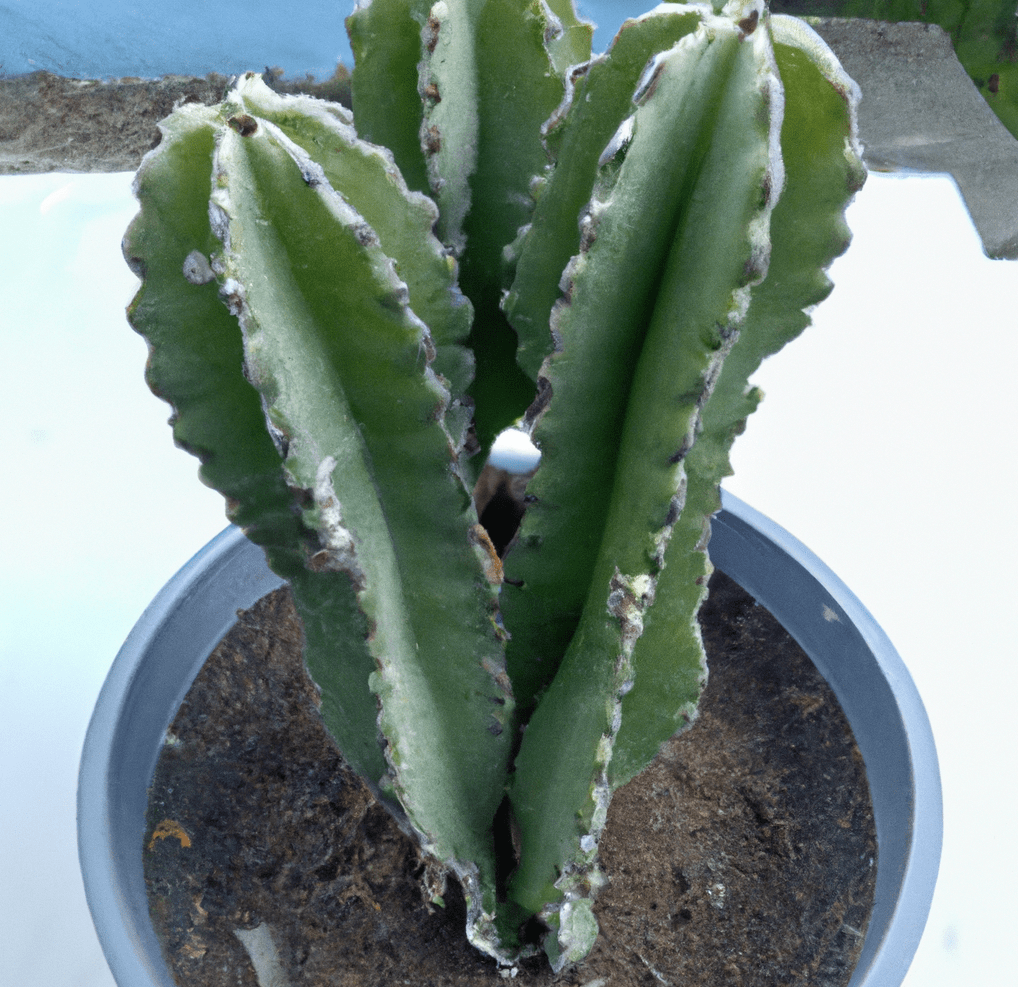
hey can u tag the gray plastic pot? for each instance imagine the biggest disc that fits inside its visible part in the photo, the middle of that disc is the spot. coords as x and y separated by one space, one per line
169 644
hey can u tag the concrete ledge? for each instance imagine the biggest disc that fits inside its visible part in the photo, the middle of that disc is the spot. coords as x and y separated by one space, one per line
920 111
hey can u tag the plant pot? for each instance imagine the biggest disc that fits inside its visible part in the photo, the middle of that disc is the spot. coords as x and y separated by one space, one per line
169 644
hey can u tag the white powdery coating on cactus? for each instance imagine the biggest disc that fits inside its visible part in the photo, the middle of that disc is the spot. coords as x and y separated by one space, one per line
258 96
553 26
197 269
569 78
769 83
738 10
219 217
339 550
628 600
619 142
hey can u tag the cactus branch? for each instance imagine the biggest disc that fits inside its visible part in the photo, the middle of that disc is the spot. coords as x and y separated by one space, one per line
703 132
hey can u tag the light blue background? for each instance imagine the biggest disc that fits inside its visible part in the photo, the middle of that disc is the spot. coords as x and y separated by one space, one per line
112 38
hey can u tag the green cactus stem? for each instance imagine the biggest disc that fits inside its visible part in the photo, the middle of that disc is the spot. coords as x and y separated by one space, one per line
343 308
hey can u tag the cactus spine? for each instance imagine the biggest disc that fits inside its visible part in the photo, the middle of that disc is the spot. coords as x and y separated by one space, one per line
335 346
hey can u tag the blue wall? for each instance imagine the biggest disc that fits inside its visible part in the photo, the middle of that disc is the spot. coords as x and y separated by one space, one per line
114 38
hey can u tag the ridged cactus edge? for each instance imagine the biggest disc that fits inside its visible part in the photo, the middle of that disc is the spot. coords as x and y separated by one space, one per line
343 309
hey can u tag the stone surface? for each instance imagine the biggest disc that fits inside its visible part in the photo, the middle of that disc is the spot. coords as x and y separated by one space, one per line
921 111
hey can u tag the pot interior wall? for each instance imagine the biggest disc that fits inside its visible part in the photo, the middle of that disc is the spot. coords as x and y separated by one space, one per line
881 702
178 630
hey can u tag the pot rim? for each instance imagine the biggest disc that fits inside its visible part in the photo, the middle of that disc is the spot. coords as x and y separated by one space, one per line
167 647
888 719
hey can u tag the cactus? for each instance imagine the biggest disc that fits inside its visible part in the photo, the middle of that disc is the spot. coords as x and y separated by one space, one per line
345 309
